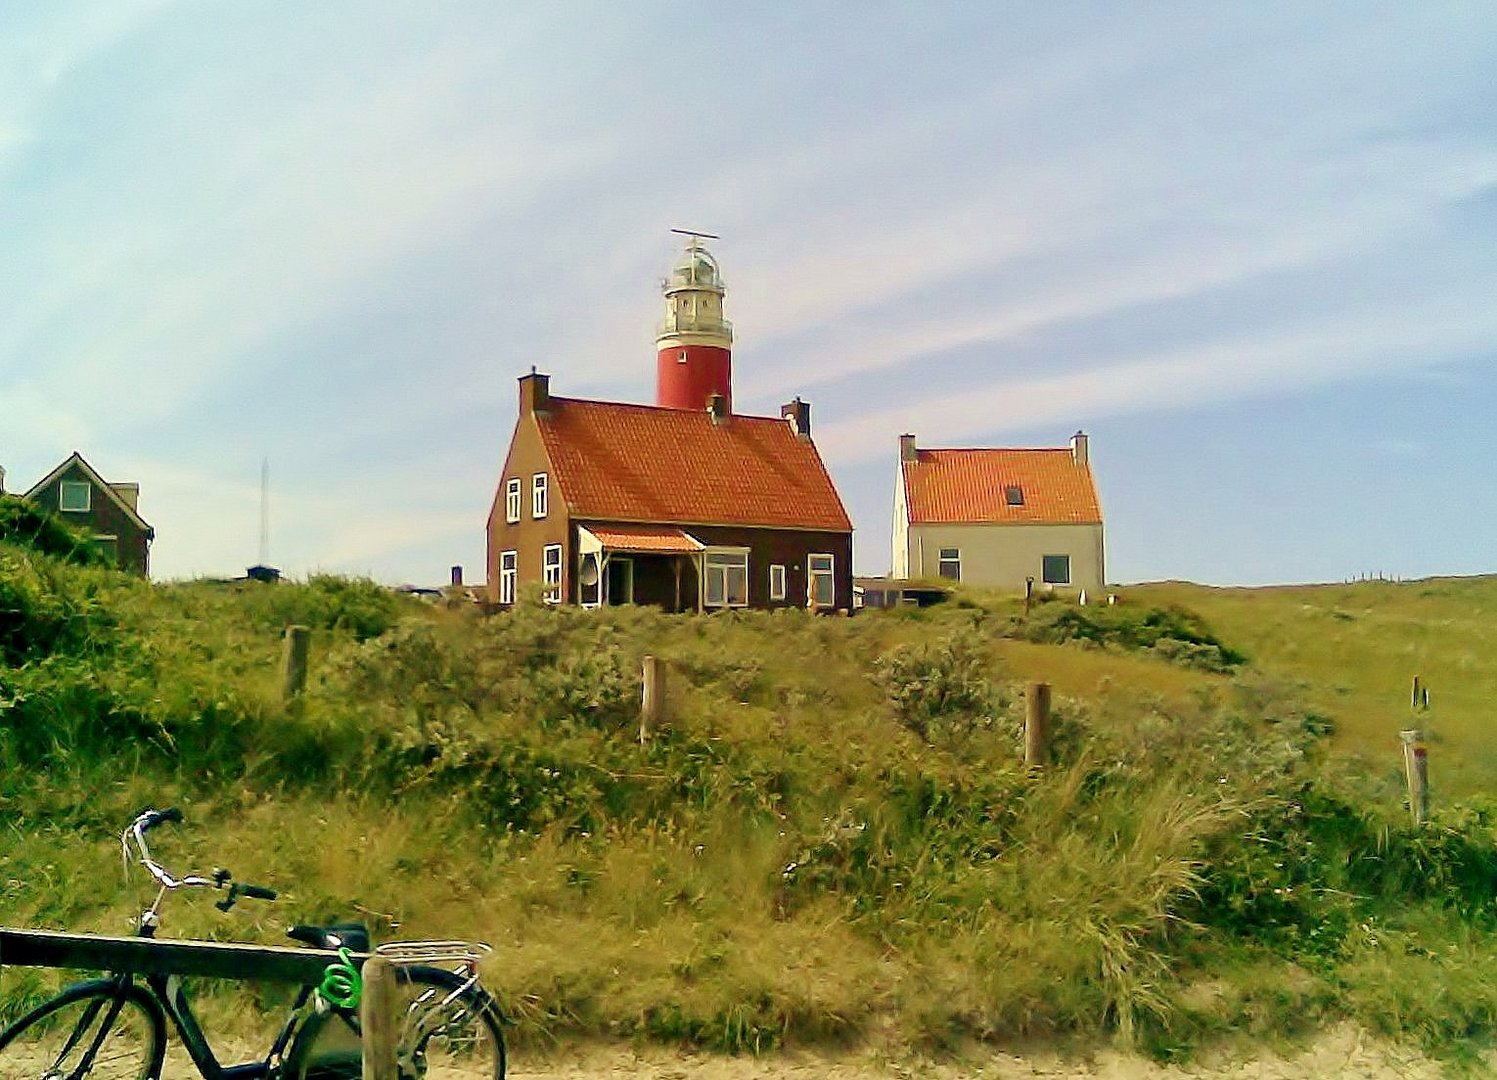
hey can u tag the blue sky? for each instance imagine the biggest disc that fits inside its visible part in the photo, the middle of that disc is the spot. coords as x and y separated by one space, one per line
1251 249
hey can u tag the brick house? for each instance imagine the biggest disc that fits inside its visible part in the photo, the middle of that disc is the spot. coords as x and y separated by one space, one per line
690 510
110 511
999 516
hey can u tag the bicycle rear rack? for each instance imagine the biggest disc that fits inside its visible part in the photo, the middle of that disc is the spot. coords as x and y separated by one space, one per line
468 953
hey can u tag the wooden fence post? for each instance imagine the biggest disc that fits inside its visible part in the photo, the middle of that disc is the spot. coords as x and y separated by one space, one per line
294 661
1416 771
1036 724
377 1017
652 698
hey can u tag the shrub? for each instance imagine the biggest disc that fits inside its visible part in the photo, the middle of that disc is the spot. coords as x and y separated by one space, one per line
1171 633
25 524
356 605
939 688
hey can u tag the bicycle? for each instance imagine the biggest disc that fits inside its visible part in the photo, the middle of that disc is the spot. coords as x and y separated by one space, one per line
115 1027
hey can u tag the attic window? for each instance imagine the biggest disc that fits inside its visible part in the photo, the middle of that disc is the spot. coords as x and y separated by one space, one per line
1013 495
75 496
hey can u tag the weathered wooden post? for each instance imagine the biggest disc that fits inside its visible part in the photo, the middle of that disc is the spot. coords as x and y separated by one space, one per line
1036 724
377 1017
1416 771
652 698
294 661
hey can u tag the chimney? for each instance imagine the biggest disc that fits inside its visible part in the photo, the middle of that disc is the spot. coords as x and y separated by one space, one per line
128 493
2 479
457 576
535 393
798 412
1078 448
907 448
717 408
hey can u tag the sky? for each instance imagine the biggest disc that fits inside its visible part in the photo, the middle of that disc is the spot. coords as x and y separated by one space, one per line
1250 249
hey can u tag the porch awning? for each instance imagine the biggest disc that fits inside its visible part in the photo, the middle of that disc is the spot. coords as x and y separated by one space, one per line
642 539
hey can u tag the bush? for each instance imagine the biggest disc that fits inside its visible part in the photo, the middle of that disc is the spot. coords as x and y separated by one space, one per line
1171 633
941 688
25 524
355 605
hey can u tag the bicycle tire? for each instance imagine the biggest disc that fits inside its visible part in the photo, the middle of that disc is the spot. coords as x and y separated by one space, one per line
447 1033
100 1030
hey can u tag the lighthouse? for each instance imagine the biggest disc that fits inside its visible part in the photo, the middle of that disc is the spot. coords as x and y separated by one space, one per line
694 361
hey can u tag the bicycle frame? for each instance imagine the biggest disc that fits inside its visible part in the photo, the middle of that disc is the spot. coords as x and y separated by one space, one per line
168 994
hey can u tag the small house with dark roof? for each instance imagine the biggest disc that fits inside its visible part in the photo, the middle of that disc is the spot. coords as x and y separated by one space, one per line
999 517
109 511
606 502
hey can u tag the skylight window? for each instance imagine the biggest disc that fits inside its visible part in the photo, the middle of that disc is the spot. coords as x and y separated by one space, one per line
1013 495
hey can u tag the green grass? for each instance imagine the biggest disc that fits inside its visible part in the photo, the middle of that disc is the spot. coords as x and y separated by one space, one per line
833 839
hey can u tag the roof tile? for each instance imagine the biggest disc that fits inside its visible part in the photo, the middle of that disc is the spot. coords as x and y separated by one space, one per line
963 486
622 462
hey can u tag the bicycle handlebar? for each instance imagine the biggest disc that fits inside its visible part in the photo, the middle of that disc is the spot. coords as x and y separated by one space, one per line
149 819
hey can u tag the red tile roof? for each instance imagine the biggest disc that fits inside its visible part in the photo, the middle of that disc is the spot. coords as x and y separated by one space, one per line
653 538
961 486
618 462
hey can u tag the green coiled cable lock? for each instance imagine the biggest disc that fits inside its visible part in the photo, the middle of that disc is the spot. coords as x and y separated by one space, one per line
341 983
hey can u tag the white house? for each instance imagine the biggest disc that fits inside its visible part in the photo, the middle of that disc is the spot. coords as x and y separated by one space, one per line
999 516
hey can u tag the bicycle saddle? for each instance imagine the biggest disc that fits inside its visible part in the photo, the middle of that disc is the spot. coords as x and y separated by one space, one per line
351 935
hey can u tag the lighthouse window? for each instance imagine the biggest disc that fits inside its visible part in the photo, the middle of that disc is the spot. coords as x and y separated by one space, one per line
681 357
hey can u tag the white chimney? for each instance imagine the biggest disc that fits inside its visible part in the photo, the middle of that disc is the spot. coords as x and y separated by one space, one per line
1079 449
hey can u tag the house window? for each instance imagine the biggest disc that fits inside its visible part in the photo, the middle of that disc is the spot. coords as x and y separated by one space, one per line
538 495
1056 570
109 547
551 572
1013 495
777 582
512 500
725 575
75 496
507 577
821 583
950 565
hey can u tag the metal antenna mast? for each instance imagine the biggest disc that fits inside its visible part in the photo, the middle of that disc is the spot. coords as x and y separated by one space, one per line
698 235
265 511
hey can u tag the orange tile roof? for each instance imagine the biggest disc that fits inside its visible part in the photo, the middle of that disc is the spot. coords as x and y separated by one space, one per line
962 486
620 462
659 538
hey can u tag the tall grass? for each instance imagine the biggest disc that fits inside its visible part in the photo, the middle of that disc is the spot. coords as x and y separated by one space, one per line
833 838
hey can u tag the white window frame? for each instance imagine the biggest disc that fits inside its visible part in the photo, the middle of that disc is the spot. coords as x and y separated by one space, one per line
75 486
719 564
508 573
538 493
1045 578
551 572
823 573
942 559
777 583
512 500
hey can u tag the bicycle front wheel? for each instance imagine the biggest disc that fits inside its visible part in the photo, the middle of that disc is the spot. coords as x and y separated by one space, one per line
449 1030
100 1030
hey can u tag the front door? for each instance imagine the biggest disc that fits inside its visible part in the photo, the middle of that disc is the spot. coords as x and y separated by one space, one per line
620 581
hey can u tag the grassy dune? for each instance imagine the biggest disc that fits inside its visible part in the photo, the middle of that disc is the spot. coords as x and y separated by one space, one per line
832 841
1356 649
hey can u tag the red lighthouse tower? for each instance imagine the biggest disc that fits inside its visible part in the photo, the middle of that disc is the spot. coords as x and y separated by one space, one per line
695 341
